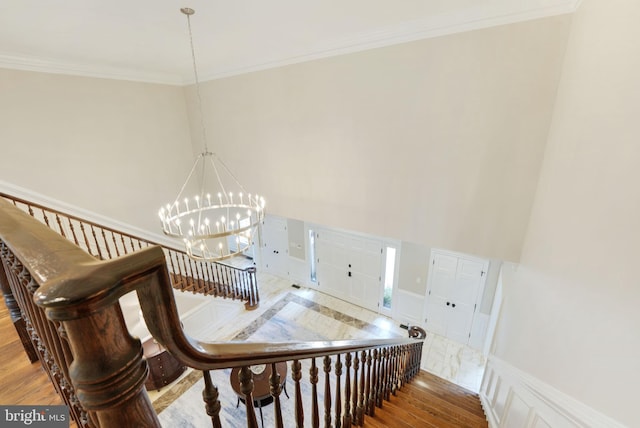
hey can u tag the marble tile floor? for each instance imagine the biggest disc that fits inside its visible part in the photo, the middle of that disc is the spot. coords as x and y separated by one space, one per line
224 320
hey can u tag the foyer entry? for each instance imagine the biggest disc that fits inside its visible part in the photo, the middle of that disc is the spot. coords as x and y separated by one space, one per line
454 291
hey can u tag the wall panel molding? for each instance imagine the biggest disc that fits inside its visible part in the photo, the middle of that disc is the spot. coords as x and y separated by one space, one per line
513 398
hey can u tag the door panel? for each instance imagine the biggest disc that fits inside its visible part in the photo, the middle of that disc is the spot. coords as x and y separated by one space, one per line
443 277
454 286
275 246
468 278
331 261
464 295
349 267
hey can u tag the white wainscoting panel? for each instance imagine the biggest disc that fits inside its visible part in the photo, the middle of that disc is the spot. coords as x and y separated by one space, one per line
512 398
408 307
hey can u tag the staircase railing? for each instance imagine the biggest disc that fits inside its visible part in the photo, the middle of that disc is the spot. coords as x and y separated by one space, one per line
98 368
186 274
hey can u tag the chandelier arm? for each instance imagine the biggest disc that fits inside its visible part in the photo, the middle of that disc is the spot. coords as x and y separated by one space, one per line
215 169
226 168
184 185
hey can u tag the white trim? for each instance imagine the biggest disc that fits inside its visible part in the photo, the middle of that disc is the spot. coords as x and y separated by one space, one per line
459 255
54 66
506 12
39 198
478 331
556 408
496 307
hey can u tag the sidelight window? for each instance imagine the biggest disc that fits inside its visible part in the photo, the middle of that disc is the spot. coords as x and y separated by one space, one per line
312 255
389 270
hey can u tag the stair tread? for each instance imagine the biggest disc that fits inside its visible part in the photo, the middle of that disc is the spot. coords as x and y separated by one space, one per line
470 405
429 401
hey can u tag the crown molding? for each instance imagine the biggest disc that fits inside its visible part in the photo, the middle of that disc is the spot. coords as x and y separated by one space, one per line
441 25
502 13
53 66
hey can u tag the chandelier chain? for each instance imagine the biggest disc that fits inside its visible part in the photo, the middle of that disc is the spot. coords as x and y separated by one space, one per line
195 73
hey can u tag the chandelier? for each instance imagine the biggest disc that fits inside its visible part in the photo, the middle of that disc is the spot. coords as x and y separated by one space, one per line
220 221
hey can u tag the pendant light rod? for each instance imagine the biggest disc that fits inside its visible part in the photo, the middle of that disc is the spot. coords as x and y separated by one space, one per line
188 12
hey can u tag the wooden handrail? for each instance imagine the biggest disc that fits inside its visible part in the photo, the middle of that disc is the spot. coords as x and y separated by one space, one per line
94 285
80 295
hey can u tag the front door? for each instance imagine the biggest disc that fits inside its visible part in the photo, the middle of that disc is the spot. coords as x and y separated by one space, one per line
349 267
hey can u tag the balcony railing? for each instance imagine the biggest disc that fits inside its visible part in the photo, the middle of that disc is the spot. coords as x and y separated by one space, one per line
102 242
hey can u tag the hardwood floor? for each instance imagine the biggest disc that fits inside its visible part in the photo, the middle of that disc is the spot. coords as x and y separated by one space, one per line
22 383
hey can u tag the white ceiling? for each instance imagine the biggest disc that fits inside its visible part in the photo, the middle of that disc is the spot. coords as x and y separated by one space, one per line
147 40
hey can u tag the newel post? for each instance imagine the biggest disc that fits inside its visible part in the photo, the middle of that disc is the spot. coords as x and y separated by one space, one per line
108 371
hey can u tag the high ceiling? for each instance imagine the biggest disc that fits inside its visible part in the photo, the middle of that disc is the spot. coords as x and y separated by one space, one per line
147 40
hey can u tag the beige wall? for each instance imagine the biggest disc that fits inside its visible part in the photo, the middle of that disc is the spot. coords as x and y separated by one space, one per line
437 142
413 269
570 317
112 147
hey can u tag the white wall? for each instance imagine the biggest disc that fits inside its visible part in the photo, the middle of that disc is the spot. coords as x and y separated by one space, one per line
570 316
437 142
116 148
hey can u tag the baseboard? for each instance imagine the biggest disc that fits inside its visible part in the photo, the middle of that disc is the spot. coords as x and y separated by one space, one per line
513 398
